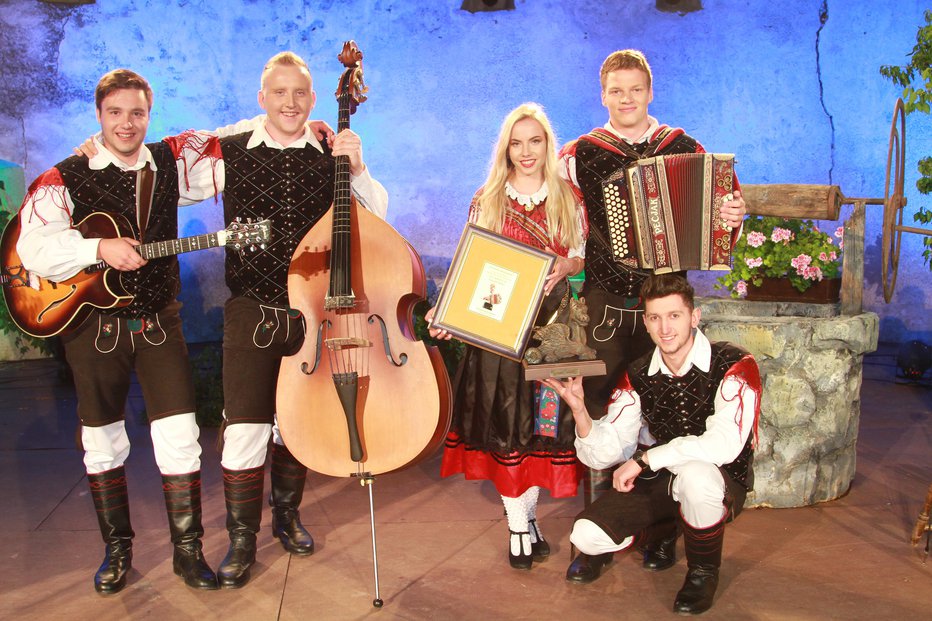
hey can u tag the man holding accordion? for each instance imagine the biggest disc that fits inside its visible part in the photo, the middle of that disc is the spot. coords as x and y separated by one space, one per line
591 163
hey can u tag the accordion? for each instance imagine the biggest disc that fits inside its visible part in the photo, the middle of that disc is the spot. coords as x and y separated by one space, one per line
664 212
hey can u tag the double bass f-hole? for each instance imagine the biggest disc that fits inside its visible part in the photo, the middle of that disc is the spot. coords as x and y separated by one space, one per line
386 343
304 365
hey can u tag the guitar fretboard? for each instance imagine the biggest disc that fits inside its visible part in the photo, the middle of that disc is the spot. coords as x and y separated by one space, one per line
156 250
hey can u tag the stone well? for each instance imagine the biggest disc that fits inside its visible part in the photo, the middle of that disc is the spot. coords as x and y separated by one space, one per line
810 359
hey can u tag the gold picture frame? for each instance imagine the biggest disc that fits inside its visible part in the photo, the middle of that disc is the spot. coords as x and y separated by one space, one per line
492 292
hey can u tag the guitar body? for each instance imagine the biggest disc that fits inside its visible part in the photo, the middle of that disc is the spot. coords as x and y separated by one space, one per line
43 308
403 401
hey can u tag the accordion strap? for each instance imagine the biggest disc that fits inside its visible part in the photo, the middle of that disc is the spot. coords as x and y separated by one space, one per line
607 140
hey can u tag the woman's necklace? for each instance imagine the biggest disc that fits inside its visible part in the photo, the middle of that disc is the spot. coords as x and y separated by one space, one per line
528 201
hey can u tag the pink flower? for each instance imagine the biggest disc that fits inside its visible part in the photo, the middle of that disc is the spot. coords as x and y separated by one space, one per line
741 288
813 273
779 235
823 256
840 232
801 262
756 239
832 256
754 262
841 244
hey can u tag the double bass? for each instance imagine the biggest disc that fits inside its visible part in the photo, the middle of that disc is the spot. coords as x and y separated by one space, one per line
362 393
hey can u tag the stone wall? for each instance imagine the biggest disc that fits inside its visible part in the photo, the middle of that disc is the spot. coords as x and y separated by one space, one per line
811 366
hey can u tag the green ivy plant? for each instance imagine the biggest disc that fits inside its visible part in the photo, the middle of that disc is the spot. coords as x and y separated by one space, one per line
916 80
782 248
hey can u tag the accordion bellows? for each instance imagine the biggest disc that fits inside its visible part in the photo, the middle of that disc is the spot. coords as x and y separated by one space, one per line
664 212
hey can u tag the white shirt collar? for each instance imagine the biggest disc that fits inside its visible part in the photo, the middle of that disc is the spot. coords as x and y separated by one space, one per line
700 355
261 136
654 125
528 201
105 157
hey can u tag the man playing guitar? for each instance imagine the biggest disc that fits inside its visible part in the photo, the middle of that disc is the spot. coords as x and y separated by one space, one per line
138 182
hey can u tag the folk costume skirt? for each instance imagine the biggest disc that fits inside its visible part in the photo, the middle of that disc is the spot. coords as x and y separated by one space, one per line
497 435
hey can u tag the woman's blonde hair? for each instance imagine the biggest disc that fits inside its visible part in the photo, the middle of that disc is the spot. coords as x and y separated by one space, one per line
562 217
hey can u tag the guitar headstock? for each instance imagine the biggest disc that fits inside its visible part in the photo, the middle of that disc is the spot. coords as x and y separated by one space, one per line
351 83
247 235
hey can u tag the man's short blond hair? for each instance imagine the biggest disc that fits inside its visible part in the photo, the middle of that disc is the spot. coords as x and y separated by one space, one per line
282 58
625 59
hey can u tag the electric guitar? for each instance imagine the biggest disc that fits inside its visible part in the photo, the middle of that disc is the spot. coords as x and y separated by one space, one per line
43 308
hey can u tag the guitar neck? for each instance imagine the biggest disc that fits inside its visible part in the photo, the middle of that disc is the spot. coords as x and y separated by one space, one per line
155 250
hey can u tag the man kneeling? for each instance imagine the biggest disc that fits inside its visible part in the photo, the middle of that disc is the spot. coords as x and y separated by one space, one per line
693 405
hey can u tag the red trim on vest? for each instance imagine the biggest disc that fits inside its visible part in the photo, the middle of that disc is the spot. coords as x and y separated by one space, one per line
622 387
747 373
203 145
50 178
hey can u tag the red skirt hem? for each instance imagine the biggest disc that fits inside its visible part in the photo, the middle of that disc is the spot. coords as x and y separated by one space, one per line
513 473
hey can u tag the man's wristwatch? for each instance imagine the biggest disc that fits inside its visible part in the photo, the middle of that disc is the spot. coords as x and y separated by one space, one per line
638 458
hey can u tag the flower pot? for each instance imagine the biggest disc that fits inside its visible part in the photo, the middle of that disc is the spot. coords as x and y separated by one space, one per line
780 290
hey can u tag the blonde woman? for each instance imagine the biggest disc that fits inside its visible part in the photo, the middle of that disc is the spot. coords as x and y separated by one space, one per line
505 429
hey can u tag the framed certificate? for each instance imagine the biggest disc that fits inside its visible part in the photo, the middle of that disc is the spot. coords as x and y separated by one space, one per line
493 292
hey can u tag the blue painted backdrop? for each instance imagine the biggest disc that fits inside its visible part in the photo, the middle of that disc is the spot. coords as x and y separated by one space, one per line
792 88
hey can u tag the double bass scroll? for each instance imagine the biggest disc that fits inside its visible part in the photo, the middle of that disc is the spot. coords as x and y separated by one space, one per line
362 392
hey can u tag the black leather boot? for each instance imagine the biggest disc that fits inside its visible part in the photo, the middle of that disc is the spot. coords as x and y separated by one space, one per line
242 490
703 559
108 489
288 477
586 568
660 552
183 503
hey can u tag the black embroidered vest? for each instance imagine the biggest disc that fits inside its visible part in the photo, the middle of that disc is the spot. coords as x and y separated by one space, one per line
291 187
112 190
594 165
679 406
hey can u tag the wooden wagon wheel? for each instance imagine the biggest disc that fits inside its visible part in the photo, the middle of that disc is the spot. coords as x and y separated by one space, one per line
893 201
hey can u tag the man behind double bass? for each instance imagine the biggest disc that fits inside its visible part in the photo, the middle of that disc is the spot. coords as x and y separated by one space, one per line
278 171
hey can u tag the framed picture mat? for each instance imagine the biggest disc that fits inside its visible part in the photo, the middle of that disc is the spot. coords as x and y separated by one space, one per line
493 292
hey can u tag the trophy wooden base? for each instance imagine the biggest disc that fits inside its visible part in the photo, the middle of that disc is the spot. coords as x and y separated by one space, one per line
563 369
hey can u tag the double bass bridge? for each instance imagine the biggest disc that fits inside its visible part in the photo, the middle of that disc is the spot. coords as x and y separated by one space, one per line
346 342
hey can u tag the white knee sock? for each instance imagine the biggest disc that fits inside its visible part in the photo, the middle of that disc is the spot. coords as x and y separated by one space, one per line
106 448
245 445
530 501
516 511
174 442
